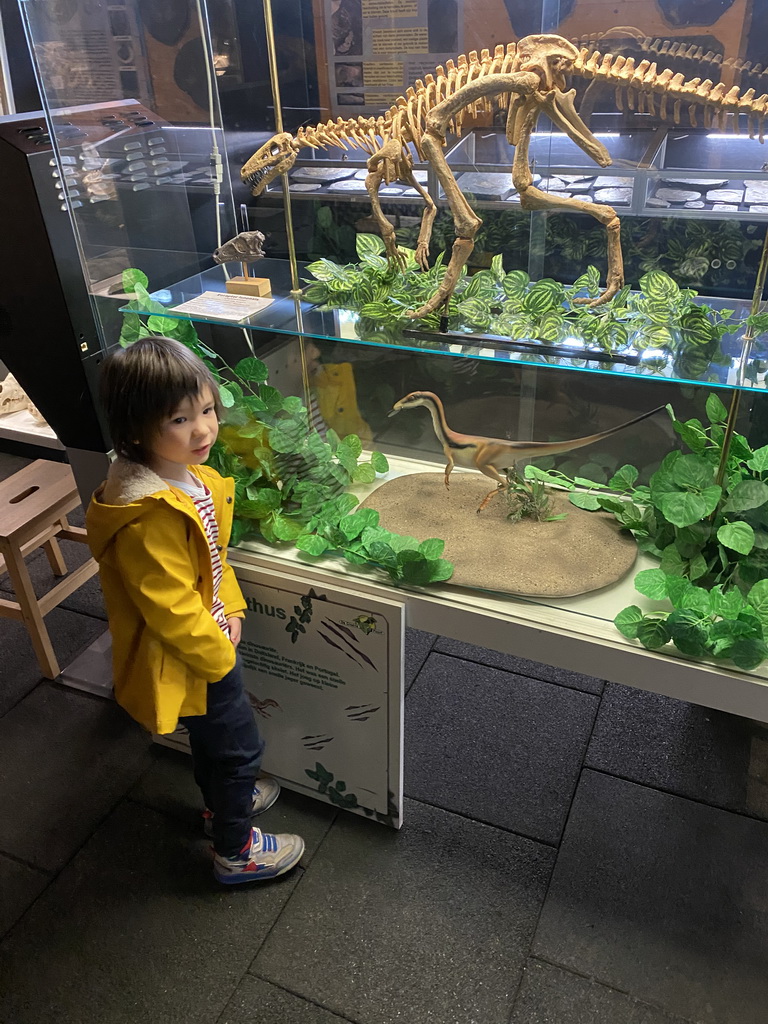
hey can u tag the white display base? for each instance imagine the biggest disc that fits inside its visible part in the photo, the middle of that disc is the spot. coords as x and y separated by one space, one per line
575 633
22 426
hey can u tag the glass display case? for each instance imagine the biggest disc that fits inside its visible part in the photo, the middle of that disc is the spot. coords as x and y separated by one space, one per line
530 342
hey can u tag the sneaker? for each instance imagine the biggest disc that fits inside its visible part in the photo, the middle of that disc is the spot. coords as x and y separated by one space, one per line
263 857
265 792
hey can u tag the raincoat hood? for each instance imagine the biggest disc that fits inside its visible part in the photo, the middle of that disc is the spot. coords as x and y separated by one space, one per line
121 499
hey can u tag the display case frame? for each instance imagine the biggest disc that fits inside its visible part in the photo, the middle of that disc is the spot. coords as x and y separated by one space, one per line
573 634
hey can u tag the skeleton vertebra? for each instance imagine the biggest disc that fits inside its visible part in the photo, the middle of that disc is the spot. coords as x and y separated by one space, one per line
526 80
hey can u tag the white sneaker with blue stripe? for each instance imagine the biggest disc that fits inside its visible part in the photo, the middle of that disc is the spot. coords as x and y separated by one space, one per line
263 857
265 791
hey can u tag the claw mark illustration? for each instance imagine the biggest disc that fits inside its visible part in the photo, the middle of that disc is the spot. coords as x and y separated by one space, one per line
260 706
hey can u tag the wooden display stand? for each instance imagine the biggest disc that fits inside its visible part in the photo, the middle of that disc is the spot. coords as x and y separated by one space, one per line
33 513
261 287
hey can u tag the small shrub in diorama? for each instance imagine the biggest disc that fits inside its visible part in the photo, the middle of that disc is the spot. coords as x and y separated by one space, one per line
711 541
661 319
289 482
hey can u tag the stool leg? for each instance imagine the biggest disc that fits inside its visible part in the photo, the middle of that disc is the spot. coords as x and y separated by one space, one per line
55 557
30 612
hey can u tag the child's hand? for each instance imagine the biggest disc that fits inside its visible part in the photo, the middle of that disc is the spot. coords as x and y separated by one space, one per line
235 629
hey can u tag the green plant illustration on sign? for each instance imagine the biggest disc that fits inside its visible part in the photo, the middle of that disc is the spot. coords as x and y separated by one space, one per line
711 541
302 616
661 320
289 482
338 795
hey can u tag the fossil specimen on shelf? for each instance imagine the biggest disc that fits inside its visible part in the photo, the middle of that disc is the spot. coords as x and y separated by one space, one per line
526 79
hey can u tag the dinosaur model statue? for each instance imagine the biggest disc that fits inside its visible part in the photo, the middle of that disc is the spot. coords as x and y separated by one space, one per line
525 79
493 456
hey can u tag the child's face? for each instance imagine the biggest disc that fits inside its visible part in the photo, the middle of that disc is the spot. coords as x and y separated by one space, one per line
186 436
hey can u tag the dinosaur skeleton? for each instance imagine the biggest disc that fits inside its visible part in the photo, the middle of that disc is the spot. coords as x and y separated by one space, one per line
525 80
492 455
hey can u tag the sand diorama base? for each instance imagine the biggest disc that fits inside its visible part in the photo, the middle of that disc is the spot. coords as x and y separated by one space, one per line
584 552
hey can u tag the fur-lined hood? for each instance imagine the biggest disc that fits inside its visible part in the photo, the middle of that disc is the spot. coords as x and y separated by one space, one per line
130 489
128 482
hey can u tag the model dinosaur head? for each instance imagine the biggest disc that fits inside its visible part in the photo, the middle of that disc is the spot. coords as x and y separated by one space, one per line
275 157
414 399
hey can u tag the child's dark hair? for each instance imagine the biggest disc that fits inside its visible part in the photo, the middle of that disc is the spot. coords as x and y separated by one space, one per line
142 384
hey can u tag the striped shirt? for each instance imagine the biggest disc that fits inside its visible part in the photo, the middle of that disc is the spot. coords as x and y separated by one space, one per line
203 501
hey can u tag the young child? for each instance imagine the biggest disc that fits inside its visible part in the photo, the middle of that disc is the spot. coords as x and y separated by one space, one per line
159 528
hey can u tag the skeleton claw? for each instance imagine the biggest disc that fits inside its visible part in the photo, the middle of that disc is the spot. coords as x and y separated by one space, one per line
601 299
397 259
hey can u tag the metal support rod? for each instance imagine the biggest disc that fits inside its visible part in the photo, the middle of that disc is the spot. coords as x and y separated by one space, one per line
272 55
295 284
749 335
304 364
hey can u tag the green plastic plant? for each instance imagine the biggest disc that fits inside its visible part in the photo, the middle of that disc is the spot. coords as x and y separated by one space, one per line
529 499
662 316
289 482
711 540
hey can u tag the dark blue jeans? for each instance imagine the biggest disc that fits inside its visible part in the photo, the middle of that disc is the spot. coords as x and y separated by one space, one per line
226 755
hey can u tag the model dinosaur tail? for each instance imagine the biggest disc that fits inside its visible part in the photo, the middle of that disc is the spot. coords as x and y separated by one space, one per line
557 447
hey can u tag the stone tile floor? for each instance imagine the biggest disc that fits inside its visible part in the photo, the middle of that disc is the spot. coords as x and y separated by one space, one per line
574 852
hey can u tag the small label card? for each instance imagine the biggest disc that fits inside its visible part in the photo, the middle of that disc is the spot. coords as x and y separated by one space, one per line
223 306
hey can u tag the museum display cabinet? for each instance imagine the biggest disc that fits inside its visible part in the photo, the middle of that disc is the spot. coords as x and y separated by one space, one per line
537 337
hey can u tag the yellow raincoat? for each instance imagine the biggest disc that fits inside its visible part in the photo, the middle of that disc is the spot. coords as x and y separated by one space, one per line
155 569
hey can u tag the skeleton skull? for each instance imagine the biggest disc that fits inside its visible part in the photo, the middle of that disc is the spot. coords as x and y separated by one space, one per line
246 247
274 158
552 57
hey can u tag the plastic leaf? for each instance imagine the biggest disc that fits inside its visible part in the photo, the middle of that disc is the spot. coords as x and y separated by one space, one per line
652 583
737 536
628 621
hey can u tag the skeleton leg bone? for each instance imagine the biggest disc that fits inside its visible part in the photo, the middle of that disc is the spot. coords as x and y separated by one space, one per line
466 222
427 220
534 199
376 175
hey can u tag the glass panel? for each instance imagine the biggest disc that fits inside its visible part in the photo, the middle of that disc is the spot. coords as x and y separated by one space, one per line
140 156
721 365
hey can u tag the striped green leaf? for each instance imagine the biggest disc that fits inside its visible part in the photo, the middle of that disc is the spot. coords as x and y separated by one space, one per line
696 327
475 313
544 296
658 286
368 245
376 311
550 326
515 284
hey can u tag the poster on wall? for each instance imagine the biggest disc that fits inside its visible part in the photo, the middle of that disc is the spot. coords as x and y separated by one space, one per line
323 671
377 48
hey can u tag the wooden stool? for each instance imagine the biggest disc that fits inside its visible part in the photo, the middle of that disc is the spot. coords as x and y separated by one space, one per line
33 512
